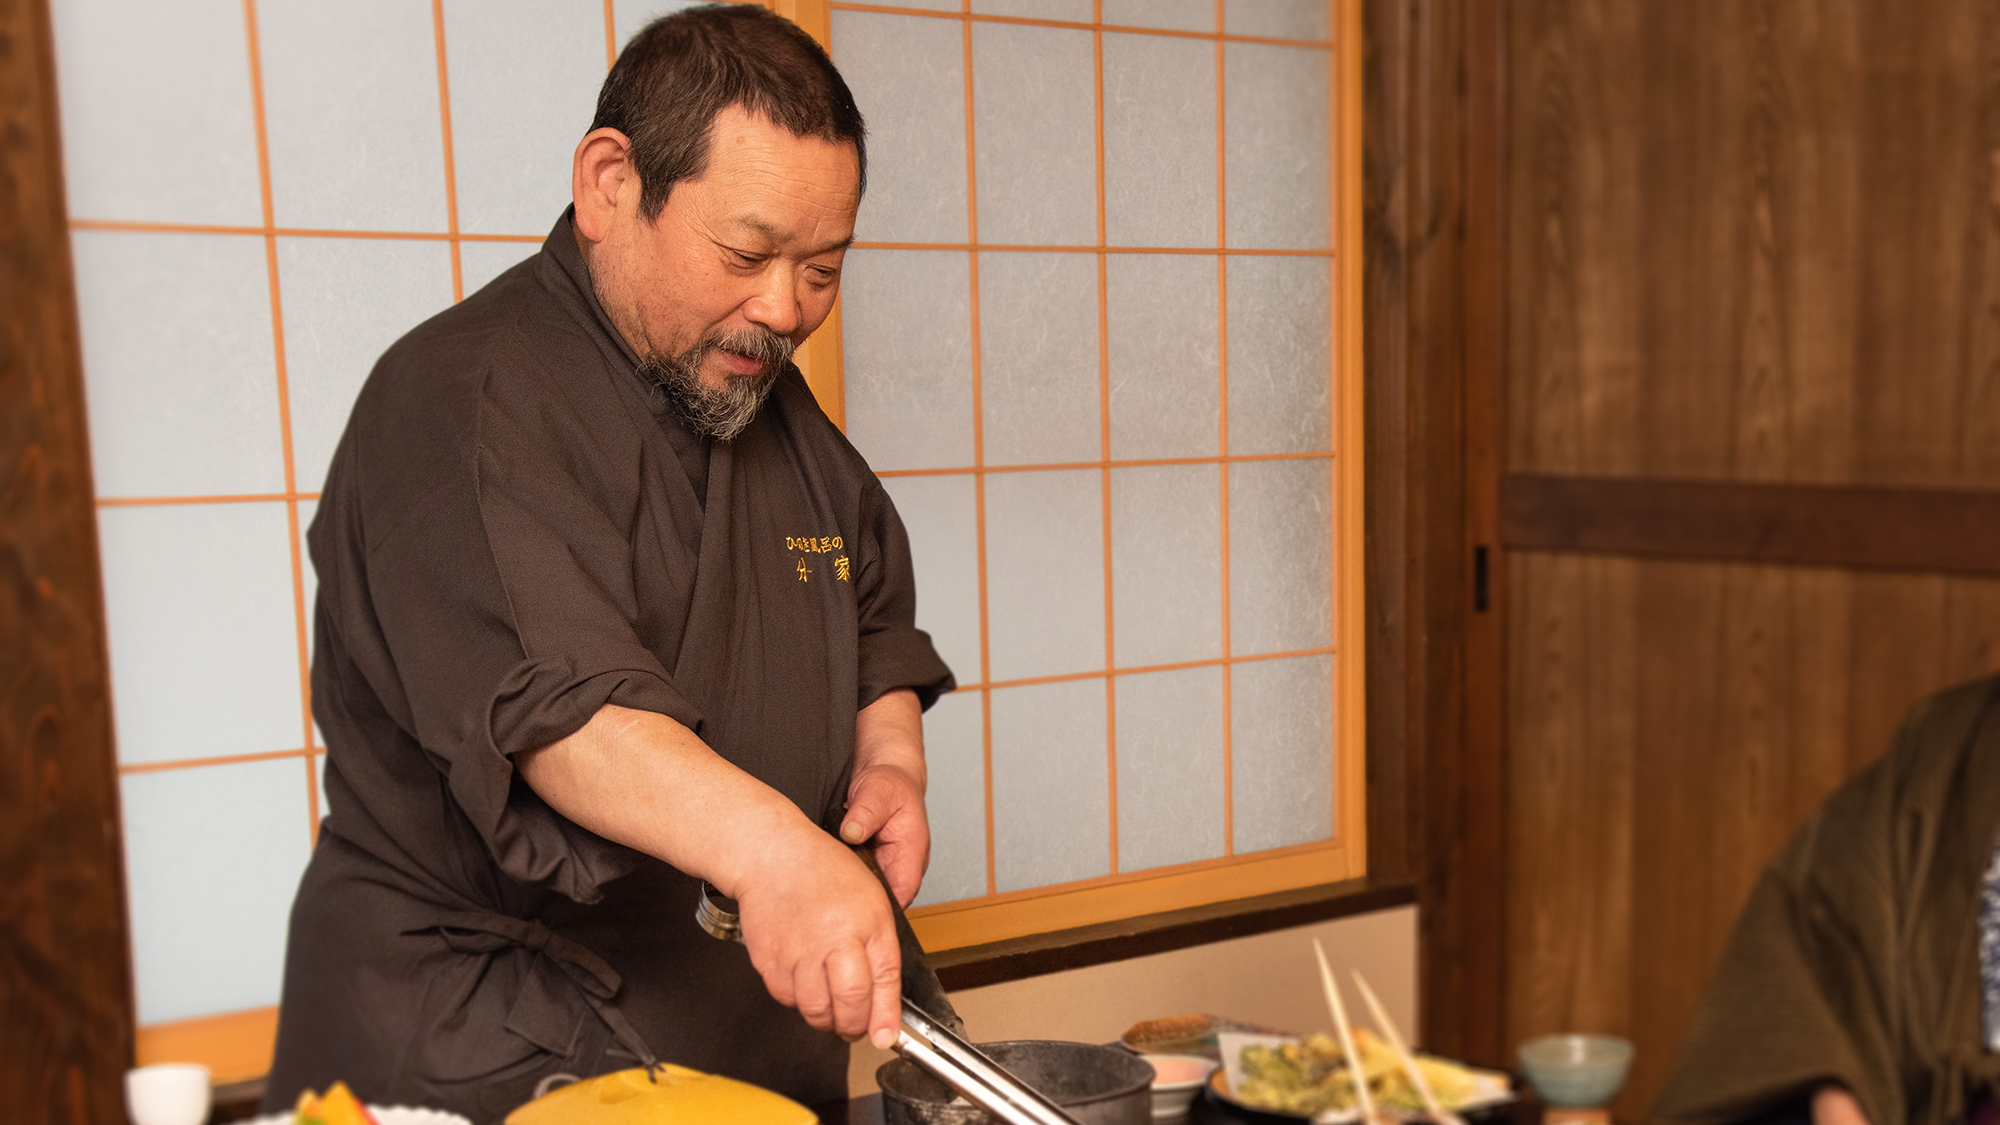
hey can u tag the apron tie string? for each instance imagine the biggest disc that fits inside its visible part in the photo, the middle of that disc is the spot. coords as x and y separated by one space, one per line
482 932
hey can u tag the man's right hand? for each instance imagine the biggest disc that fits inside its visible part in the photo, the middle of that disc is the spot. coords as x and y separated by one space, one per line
816 921
819 928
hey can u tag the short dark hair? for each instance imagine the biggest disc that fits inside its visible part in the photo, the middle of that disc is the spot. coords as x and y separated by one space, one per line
680 71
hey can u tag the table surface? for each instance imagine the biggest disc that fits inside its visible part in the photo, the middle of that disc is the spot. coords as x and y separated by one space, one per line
868 1111
1206 1111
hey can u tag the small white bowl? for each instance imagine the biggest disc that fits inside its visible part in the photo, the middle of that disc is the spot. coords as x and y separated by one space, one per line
1572 1071
168 1094
1176 1080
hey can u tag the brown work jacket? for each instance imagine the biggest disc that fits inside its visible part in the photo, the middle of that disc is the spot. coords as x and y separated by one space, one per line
517 530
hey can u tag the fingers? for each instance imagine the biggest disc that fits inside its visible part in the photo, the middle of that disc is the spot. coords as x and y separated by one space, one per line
808 990
903 866
886 807
853 992
883 801
823 937
886 1013
868 809
851 989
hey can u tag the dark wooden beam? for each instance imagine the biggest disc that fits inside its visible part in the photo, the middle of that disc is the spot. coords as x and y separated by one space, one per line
1430 325
66 1020
1478 862
1019 958
1945 531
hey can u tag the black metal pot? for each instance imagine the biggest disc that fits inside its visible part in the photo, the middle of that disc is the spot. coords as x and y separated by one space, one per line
1095 1085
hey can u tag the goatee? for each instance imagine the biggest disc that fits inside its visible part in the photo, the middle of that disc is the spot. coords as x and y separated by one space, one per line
720 414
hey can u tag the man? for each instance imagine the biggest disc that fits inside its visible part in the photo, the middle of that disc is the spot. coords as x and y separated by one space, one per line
608 607
1852 990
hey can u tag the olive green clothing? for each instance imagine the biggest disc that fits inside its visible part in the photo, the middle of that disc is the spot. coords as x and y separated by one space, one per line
1856 959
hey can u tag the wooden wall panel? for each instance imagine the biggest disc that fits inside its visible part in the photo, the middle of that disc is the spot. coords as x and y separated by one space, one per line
1671 724
1571 741
1756 240
1747 241
65 984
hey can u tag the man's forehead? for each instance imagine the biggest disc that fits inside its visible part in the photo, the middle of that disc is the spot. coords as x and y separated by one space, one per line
805 208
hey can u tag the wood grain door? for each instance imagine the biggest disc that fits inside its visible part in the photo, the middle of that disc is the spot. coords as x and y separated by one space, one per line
1752 456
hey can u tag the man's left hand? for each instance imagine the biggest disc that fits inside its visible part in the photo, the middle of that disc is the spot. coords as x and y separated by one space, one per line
885 800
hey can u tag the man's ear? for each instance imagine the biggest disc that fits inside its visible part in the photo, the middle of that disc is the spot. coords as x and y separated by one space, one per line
601 174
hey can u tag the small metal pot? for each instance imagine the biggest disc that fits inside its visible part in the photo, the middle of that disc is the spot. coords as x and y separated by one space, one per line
1095 1085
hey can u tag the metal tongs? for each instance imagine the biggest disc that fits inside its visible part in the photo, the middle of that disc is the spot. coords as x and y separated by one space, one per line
935 1043
967 1069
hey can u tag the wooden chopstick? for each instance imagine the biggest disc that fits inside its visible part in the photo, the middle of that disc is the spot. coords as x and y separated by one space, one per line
1361 1095
1388 1028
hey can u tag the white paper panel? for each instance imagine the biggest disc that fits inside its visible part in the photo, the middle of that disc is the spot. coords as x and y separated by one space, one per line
1278 147
351 101
524 79
1281 760
1044 573
908 76
1034 97
1038 342
1280 556
1072 11
1282 19
629 16
939 515
212 859
1280 354
1180 15
481 262
954 751
1051 785
1166 564
204 642
1165 361
179 368
1169 767
346 300
307 510
906 335
1159 140
157 121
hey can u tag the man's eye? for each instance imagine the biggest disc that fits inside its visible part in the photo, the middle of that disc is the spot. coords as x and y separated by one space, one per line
746 259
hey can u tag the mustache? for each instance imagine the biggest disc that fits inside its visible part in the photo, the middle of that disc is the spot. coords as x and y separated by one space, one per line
761 344
723 413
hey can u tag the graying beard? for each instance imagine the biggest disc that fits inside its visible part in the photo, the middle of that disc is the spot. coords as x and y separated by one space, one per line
722 414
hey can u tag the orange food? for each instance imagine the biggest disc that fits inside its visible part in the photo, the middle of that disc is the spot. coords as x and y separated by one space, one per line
338 1107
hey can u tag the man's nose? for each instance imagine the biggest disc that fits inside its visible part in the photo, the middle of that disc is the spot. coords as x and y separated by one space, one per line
775 305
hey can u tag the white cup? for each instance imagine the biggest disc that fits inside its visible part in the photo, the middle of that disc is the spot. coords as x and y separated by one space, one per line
167 1094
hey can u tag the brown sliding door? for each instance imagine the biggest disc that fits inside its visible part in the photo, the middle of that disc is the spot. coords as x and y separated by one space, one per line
1751 494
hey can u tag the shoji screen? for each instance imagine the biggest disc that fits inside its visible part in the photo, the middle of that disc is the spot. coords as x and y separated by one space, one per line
264 194
1093 343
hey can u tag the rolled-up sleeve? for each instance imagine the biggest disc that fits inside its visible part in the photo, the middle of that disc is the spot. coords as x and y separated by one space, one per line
507 605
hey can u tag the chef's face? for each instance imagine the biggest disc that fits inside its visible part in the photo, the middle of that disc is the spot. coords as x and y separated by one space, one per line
753 245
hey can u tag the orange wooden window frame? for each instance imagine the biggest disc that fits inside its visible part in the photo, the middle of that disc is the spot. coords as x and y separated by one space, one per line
999 916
